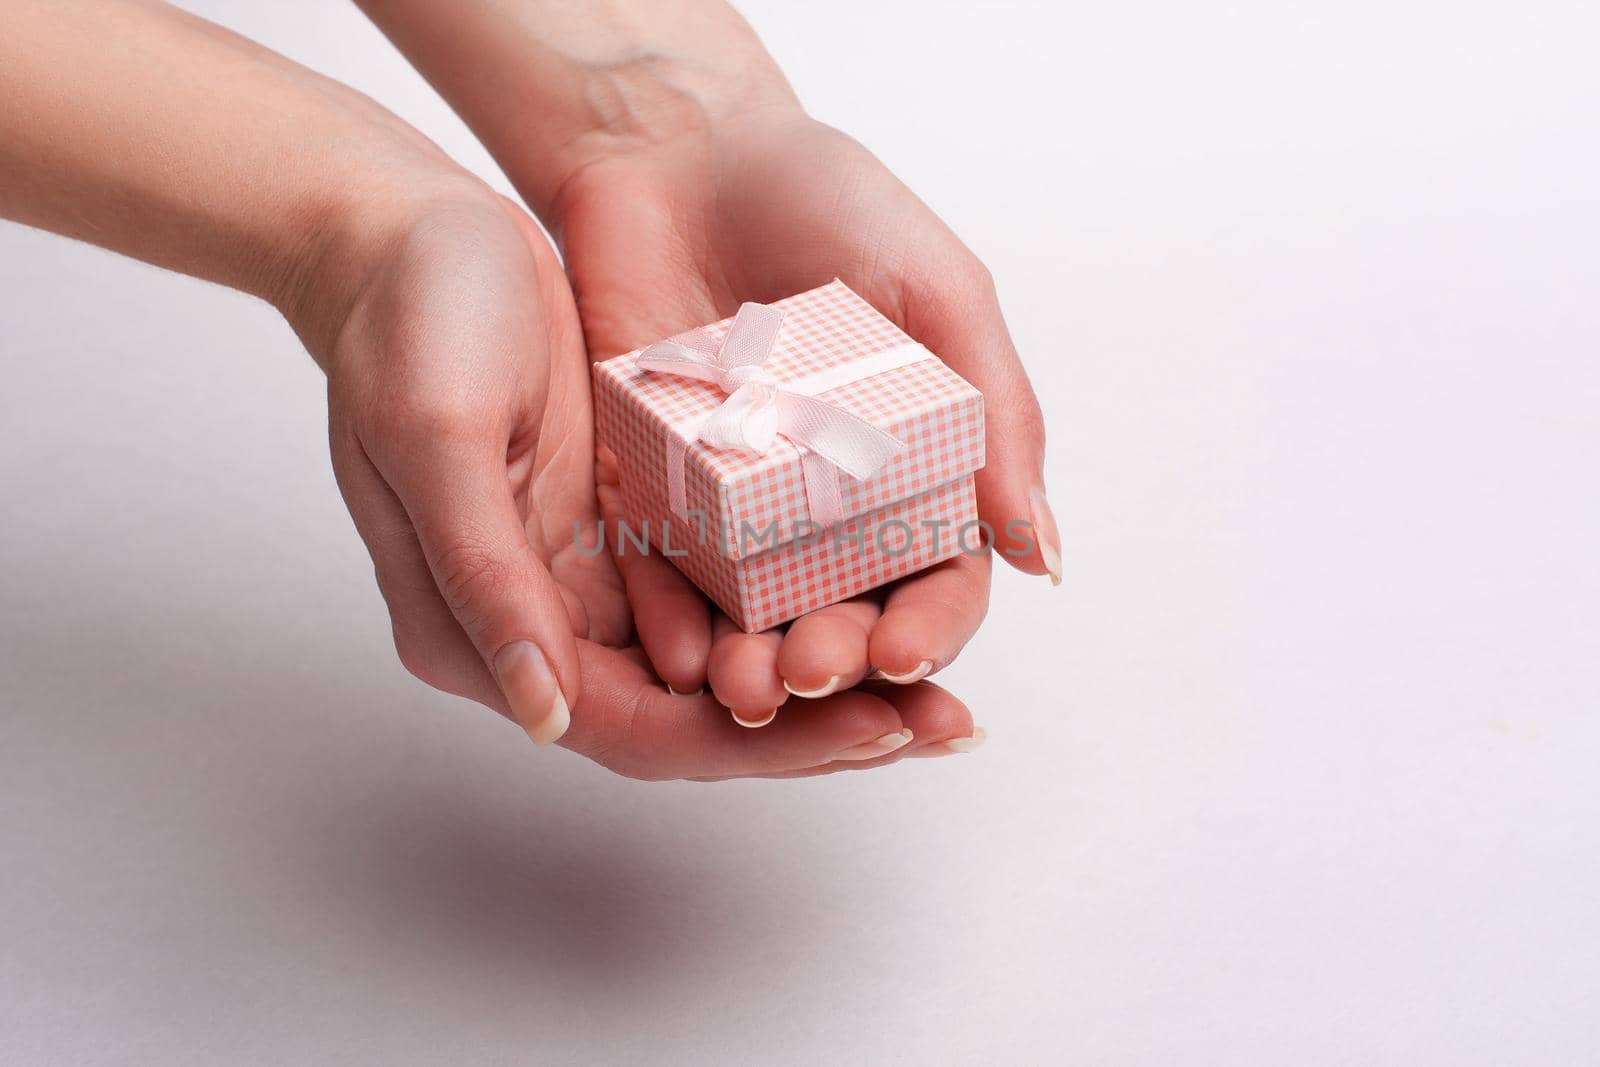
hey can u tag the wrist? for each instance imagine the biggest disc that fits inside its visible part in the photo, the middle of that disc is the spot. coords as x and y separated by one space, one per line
669 102
679 121
592 82
341 244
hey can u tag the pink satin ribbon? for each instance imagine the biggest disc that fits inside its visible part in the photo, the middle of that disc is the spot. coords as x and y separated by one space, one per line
758 410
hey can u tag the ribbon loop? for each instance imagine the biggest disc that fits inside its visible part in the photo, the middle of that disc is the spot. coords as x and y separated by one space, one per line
757 411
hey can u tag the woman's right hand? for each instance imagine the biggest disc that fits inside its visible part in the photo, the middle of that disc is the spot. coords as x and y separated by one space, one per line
459 427
458 387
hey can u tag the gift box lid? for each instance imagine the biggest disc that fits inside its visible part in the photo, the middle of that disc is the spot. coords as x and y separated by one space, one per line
735 496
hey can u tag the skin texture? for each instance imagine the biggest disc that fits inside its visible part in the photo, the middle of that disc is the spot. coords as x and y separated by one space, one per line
459 423
681 178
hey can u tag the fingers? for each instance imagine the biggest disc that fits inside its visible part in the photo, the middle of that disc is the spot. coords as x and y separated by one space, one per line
671 616
743 672
923 627
929 617
459 499
429 641
939 725
964 326
826 651
626 721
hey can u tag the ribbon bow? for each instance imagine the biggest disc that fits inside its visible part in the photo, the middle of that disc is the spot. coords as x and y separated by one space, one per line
758 411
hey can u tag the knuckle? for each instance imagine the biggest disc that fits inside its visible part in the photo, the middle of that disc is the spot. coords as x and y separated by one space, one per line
470 576
1021 432
1029 426
979 278
417 656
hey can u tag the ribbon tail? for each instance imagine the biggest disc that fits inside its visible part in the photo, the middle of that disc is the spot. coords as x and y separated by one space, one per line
846 440
670 357
823 501
677 477
751 337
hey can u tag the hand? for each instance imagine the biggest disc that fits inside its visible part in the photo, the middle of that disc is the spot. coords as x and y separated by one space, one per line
675 231
460 427
458 384
663 148
460 430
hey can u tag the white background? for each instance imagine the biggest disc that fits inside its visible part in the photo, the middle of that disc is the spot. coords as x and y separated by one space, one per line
1301 765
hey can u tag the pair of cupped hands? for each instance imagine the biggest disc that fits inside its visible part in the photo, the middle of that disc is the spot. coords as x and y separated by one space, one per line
461 429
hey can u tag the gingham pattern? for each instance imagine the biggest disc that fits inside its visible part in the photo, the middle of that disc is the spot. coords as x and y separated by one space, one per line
783 583
926 405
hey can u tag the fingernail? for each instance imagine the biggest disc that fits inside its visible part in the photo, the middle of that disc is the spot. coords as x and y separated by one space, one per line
816 694
697 692
754 719
532 691
879 747
916 674
1044 525
954 745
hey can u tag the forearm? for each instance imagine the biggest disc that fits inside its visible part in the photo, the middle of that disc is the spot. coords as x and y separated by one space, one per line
551 85
148 131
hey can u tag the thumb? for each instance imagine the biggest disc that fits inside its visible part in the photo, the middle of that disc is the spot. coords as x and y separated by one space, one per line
473 536
964 327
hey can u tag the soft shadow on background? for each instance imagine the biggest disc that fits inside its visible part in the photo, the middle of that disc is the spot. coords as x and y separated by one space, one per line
252 822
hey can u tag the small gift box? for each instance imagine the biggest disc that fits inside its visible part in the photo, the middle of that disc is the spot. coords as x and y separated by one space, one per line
792 456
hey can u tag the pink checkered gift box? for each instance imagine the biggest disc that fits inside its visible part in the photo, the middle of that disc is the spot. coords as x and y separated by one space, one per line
793 456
